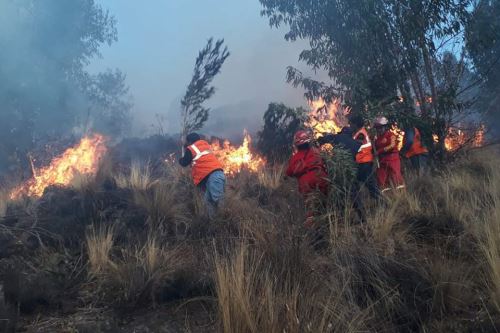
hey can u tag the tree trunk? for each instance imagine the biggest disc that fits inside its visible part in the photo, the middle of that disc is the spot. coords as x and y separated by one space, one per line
417 88
430 74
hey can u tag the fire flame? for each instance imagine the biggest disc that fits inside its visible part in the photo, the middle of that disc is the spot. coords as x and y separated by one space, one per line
81 159
235 159
457 138
327 117
400 134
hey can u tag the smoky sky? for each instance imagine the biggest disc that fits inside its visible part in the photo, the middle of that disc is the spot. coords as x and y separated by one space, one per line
159 41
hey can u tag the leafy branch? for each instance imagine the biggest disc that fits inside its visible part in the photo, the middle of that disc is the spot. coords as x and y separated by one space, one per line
208 65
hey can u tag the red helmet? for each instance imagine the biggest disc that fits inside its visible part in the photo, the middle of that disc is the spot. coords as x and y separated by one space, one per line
301 137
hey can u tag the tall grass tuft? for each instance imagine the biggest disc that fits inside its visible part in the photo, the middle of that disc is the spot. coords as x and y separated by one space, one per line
138 178
137 273
100 241
490 247
272 177
258 295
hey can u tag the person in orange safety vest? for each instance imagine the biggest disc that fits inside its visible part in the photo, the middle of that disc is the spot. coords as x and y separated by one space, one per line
206 170
414 150
364 157
386 145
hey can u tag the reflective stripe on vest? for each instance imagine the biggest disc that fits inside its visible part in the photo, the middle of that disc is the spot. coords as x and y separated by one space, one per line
204 161
198 153
366 145
365 154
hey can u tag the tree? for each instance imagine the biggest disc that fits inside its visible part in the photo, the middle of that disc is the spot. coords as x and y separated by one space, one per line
46 46
208 64
110 103
483 44
280 125
376 51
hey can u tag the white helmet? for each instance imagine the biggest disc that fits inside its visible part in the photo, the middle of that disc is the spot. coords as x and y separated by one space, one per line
380 121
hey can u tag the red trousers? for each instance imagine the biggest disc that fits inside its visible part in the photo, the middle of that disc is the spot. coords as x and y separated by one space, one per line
389 174
313 192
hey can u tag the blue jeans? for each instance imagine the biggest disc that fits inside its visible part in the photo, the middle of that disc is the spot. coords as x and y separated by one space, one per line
214 190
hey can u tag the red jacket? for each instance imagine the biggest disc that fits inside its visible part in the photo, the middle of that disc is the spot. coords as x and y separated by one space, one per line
309 168
387 146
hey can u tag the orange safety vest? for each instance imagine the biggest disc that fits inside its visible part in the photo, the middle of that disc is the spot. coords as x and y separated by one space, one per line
365 152
204 161
417 148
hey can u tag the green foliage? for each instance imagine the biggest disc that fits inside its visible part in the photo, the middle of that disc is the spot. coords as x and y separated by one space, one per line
207 66
369 47
280 124
375 51
342 175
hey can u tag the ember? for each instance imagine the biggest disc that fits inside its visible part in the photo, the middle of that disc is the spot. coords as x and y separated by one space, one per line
235 159
82 159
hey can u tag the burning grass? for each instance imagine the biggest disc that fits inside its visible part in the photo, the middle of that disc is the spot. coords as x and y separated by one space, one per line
426 260
81 159
235 159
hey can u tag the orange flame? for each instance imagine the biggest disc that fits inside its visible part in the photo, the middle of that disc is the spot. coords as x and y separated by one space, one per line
327 117
457 138
400 134
235 159
479 137
83 159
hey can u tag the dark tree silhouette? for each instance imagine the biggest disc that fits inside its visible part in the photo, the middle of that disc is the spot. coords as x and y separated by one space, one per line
207 66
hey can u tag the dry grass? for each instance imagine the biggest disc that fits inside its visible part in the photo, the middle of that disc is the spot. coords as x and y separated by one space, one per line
490 247
162 203
272 177
80 182
428 259
255 297
100 241
138 178
136 273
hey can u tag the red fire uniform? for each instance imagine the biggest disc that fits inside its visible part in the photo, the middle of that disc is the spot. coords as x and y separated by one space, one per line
389 172
310 170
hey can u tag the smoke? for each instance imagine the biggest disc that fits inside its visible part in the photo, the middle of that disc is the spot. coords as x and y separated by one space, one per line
45 90
157 48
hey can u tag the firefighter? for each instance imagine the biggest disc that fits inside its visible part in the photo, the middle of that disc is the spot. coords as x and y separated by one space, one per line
414 150
386 145
343 138
308 167
206 170
364 157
